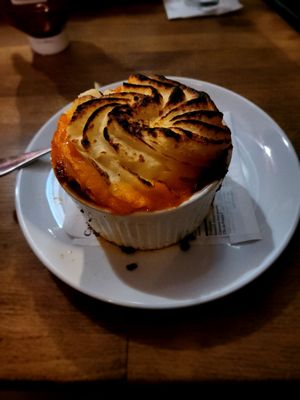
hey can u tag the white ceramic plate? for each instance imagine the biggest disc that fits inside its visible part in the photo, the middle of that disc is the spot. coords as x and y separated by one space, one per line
172 278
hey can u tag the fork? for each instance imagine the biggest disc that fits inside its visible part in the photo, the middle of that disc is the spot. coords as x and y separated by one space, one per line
10 164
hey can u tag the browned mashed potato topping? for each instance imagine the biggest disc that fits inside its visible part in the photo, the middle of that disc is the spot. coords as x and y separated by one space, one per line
146 145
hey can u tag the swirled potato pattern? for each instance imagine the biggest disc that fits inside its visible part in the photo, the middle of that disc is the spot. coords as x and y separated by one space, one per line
146 145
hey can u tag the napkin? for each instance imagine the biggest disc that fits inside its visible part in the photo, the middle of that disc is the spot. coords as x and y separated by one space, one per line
198 8
232 218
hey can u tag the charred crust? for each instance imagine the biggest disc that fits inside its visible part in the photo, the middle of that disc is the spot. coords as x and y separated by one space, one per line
145 181
129 128
170 134
106 134
177 96
206 140
121 111
167 132
65 179
140 77
217 129
215 171
81 108
171 82
155 82
89 123
145 101
104 175
161 78
198 113
155 95
115 146
202 102
125 125
108 101
152 132
101 172
85 142
134 128
187 133
74 185
202 98
60 171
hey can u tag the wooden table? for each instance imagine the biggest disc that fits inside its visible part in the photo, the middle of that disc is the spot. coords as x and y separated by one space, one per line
51 334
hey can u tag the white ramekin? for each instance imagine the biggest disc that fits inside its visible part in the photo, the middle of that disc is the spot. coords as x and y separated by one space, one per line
149 230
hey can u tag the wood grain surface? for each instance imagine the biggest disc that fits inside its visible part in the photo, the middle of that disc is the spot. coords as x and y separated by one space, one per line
50 333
